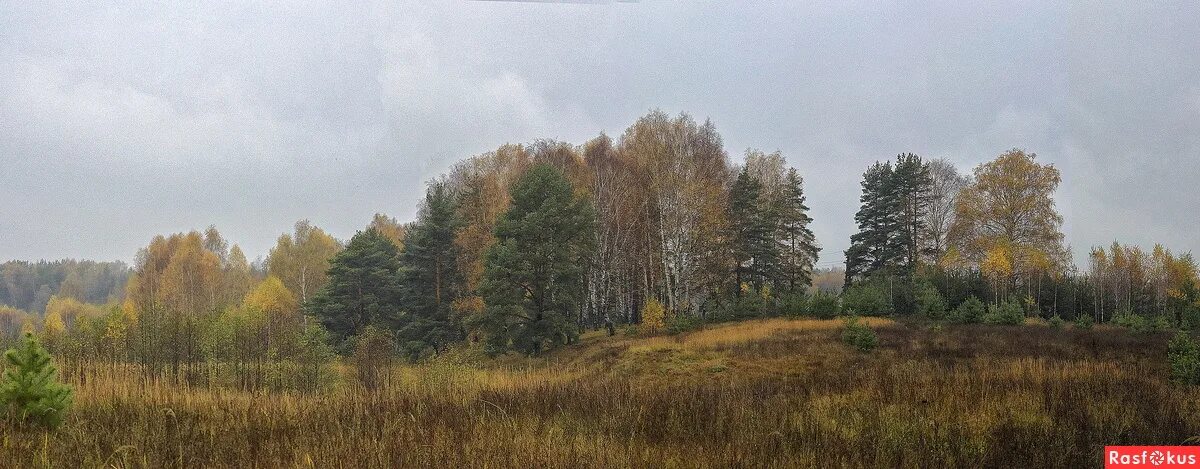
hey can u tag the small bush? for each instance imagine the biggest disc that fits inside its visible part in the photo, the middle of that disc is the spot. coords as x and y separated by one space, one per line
1125 319
1056 322
769 302
1084 321
1161 323
794 305
315 358
1134 322
1031 306
683 323
1183 354
749 305
969 312
823 306
373 352
654 316
929 302
859 336
867 298
29 390
1191 318
1008 313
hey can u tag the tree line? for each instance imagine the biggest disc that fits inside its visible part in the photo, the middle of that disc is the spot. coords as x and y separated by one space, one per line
931 239
29 285
523 248
519 249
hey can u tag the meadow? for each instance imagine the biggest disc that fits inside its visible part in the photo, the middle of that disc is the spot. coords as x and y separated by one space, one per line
762 393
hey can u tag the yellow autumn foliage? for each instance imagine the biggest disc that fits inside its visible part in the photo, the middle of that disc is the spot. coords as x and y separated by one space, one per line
272 297
654 316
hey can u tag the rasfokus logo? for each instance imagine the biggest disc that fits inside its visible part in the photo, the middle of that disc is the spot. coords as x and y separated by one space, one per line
1152 456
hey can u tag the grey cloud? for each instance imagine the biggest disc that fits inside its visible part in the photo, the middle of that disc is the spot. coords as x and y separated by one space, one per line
121 122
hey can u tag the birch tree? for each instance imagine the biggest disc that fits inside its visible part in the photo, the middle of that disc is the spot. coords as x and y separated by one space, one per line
301 259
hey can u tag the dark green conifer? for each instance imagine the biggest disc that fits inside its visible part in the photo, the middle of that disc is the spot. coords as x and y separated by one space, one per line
29 390
429 277
362 289
798 245
752 224
533 281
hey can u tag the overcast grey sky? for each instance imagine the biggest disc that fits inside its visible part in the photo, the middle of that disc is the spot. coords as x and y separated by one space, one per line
121 122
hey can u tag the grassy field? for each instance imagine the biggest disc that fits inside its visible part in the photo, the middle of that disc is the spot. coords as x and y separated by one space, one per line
777 393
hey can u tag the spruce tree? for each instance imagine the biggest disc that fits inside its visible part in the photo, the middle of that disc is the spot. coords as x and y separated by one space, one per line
29 390
429 276
533 282
362 289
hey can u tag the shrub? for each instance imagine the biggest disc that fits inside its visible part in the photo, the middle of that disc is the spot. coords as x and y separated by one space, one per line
768 300
929 302
29 390
373 351
758 305
1134 322
1161 323
1183 354
1031 306
314 359
1191 318
823 306
683 323
1008 313
654 316
1084 321
1125 319
859 336
867 298
969 312
793 305
748 305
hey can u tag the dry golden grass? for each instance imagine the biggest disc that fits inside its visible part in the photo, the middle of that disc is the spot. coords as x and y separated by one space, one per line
774 393
743 333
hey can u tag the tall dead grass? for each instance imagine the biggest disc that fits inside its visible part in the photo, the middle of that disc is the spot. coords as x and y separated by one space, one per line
772 393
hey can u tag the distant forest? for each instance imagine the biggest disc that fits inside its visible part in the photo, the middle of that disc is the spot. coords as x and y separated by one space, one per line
29 285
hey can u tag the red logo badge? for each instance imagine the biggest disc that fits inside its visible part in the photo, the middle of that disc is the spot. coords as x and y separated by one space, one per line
1159 457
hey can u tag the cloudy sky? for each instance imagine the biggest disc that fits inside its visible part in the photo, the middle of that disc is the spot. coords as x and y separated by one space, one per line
121 122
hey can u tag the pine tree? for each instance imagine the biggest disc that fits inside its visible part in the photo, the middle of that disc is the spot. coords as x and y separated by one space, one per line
752 228
891 220
911 186
798 244
29 389
429 276
362 288
869 248
533 282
